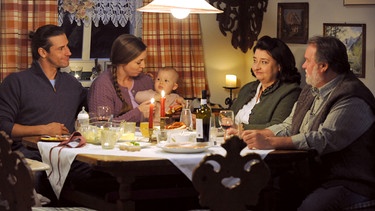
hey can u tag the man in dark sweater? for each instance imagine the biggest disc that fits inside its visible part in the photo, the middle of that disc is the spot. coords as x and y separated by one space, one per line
41 100
334 115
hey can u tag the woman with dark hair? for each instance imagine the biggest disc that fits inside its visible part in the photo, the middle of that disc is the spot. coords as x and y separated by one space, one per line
269 99
117 86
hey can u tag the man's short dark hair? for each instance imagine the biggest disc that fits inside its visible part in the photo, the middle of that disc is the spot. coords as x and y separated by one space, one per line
40 38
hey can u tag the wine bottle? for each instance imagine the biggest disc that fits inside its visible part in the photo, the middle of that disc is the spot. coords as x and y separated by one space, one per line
203 116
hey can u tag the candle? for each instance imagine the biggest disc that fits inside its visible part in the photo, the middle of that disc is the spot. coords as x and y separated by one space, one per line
151 114
231 81
162 104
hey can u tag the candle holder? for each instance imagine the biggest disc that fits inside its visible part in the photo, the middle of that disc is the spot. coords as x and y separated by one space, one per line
229 100
150 133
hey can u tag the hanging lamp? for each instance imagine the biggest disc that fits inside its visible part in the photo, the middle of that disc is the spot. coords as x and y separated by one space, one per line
180 8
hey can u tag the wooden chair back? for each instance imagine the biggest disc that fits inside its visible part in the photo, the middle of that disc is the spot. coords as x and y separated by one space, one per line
16 178
232 182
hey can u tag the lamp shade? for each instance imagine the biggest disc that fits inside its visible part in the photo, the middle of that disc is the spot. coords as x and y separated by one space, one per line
166 6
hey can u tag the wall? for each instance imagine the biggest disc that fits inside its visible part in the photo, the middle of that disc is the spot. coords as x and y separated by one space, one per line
221 58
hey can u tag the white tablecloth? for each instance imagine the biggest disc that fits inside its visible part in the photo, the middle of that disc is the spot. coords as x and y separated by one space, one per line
185 162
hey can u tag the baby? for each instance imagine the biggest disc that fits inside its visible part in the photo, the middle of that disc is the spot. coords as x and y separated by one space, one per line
166 80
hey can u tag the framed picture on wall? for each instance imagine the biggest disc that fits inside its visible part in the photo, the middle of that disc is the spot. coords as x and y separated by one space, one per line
354 38
358 2
293 22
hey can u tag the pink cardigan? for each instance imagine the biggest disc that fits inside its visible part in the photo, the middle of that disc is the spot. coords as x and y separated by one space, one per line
102 92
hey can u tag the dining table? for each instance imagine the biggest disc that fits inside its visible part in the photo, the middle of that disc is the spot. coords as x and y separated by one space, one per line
150 161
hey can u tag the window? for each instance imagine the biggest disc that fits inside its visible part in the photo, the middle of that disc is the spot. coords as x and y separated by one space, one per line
110 18
99 38
75 37
102 38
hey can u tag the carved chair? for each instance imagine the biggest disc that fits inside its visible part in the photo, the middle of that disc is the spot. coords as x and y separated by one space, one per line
17 181
232 182
16 178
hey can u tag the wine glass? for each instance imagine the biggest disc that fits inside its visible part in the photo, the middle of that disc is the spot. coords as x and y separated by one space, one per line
103 113
186 116
213 130
226 120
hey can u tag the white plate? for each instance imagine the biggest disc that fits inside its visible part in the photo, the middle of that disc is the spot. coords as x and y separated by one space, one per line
184 147
54 138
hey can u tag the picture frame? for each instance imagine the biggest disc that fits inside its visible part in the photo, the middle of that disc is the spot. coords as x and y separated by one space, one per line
293 22
354 38
358 2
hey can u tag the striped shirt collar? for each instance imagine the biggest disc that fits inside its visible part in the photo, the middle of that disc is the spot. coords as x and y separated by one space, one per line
325 90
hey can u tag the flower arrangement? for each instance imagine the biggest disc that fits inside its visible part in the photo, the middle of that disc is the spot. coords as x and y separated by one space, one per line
79 9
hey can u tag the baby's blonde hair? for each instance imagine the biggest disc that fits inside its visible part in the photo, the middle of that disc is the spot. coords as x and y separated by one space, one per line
172 70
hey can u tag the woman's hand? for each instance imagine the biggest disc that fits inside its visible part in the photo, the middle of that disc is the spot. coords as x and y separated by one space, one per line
144 108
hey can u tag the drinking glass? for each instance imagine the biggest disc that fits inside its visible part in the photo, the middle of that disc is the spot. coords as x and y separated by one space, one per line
226 120
109 138
128 131
186 116
143 127
76 71
103 113
213 131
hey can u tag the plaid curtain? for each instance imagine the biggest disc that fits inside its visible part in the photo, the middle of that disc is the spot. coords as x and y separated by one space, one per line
176 43
18 18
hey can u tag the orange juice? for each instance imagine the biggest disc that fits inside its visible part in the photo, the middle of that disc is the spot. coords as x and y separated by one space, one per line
143 127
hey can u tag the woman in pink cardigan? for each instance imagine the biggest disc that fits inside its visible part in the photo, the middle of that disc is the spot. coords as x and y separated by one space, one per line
117 86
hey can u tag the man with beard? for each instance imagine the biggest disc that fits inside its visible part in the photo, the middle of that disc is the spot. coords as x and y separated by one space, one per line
334 116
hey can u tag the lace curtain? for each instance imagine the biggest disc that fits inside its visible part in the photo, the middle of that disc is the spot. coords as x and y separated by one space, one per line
119 12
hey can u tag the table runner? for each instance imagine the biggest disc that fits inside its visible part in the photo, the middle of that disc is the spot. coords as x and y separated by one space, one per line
185 162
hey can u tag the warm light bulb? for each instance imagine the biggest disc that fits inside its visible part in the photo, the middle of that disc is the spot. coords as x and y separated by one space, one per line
180 13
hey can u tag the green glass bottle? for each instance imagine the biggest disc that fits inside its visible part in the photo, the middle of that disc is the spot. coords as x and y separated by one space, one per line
203 116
